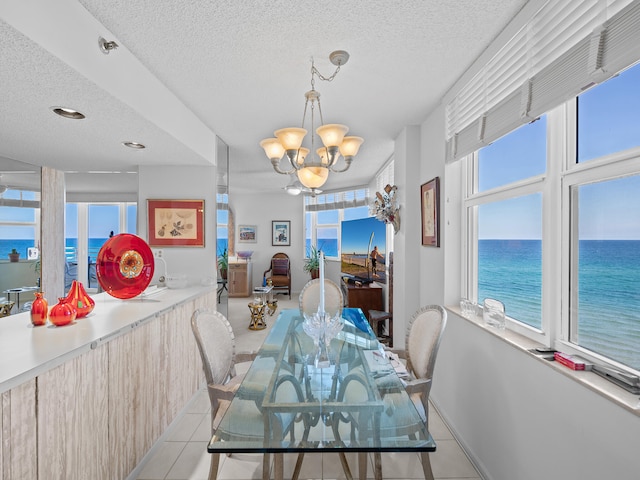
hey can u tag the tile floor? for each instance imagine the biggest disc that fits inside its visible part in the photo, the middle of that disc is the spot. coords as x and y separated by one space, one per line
182 453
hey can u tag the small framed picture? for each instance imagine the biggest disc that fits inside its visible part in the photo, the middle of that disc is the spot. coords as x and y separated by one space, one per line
281 232
430 205
175 223
247 234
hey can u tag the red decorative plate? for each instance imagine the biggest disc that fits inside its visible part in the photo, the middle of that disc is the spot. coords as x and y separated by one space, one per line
125 266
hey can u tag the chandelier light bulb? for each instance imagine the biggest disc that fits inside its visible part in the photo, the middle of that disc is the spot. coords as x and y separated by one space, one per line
290 138
323 155
313 177
332 134
272 148
350 146
302 155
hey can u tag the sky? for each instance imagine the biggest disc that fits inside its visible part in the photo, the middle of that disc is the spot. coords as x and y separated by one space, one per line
608 122
356 235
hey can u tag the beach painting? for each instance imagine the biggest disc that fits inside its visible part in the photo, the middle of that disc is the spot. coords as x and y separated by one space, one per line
364 249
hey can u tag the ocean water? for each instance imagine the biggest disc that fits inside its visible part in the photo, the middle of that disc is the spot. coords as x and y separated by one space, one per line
71 245
608 290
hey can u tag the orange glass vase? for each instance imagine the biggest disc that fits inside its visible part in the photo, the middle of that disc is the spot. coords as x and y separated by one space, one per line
62 313
39 310
78 298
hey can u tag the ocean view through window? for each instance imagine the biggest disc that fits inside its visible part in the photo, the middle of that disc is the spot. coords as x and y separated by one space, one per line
560 246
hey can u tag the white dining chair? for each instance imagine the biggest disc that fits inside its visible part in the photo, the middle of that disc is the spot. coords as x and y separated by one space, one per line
422 341
309 298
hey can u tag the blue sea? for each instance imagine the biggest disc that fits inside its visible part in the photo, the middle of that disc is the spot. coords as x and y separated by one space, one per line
608 290
71 245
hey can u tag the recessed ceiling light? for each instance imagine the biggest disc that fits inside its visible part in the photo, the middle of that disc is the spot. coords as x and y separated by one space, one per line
68 113
134 145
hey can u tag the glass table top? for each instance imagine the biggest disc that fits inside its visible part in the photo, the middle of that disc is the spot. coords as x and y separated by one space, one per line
288 402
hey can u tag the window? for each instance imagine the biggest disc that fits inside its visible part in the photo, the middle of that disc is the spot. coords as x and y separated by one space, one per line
510 256
87 227
604 315
222 236
506 205
559 245
609 115
19 217
323 215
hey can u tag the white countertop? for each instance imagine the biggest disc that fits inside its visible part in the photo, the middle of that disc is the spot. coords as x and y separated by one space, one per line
27 351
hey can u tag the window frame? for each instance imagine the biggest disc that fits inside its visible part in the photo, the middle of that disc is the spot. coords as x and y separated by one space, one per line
558 228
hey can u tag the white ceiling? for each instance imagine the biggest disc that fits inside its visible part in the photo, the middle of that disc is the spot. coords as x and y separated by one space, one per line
188 70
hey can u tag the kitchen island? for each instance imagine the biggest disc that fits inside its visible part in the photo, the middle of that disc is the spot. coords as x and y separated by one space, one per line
88 400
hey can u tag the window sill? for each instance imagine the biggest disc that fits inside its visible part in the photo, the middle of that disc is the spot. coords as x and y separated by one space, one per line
590 380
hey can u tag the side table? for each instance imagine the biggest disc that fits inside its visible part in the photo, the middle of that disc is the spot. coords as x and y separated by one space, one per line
257 307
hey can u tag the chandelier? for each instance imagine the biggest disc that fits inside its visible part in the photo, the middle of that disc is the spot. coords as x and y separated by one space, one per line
312 166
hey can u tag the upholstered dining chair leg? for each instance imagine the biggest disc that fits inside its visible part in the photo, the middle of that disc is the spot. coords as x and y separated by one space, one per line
377 466
363 458
278 466
426 466
213 466
266 467
298 467
345 466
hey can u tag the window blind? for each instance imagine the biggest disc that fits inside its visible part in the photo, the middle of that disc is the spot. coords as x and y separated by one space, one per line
385 176
337 200
565 48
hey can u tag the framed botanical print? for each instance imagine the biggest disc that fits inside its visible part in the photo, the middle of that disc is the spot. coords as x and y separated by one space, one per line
175 223
281 232
430 208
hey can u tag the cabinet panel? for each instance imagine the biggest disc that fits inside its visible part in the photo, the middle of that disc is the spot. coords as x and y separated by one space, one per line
18 432
365 297
240 275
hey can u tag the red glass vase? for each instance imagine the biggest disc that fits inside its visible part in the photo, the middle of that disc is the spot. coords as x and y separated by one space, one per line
78 298
39 310
62 313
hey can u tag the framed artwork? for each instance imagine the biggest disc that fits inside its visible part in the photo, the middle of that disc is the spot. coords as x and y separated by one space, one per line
247 234
281 232
430 207
175 223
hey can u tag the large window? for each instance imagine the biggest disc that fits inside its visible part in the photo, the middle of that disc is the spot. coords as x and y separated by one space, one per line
87 227
323 216
505 203
559 246
19 224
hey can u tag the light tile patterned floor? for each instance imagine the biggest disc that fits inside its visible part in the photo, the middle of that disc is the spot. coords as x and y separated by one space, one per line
183 454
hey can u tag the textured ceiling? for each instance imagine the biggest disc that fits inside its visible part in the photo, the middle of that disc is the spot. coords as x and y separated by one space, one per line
187 70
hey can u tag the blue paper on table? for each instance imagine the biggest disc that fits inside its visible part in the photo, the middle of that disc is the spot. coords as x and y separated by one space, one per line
355 316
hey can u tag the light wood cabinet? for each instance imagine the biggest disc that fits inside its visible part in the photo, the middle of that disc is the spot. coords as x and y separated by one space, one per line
97 414
240 274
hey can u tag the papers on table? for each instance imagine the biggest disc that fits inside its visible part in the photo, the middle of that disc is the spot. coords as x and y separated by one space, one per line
382 363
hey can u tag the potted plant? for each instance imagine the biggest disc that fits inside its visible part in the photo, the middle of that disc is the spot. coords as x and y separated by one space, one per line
14 256
312 263
223 264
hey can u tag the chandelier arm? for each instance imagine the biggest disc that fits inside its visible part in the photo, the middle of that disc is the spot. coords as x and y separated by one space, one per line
347 162
276 166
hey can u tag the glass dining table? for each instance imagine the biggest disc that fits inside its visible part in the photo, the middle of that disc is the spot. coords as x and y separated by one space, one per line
290 403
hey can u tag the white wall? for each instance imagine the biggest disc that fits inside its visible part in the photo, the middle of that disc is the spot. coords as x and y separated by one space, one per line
407 278
520 419
188 183
261 210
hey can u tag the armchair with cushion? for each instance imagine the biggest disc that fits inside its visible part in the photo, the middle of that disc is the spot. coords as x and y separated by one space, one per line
279 273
